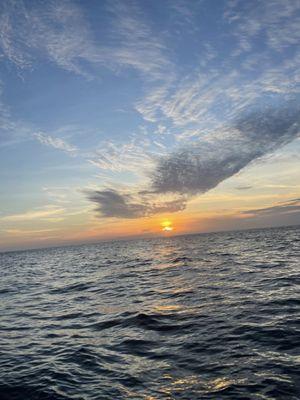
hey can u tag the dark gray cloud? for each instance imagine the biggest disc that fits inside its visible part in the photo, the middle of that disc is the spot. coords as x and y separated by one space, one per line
202 166
243 187
291 206
112 203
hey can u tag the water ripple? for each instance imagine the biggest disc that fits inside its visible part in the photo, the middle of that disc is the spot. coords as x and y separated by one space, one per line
212 316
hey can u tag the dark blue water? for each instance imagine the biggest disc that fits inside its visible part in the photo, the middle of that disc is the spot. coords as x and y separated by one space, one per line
211 316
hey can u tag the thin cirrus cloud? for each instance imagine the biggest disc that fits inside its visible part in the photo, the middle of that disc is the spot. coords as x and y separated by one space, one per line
46 213
263 57
135 44
56 143
277 20
128 156
60 32
32 32
207 98
29 31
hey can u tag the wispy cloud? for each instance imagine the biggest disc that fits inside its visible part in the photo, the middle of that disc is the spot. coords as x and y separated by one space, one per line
134 43
11 130
137 155
276 22
56 30
219 86
57 143
11 48
27 232
205 99
60 32
47 212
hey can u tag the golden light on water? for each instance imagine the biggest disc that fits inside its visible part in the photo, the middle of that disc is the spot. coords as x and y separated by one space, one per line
167 226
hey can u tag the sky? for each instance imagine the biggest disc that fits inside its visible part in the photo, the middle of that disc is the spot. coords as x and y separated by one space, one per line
121 118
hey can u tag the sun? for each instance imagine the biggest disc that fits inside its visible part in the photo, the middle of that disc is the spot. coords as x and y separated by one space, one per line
166 226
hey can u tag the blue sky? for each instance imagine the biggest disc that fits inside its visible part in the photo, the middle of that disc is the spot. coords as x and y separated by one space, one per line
113 112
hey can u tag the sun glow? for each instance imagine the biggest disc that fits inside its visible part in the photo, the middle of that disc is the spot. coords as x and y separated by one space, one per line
167 226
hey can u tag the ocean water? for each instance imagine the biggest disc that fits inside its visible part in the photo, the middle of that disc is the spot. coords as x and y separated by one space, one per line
212 316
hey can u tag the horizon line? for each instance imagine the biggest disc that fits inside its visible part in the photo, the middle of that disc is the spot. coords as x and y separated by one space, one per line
133 238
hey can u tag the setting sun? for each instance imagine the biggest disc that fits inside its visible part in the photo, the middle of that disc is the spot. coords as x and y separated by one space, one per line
167 226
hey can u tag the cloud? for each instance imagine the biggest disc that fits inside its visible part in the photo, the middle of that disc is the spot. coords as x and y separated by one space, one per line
27 232
135 44
60 32
57 143
113 203
262 58
202 166
9 47
291 206
276 22
243 187
192 107
47 213
208 97
130 156
12 131
53 29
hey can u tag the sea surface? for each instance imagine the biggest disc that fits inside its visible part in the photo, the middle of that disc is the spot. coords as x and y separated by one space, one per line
211 316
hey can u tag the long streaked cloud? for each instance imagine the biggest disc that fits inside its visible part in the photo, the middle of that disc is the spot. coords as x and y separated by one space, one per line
46 212
27 232
246 187
288 207
202 166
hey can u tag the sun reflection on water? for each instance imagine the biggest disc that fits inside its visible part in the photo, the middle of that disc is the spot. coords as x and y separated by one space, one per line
191 385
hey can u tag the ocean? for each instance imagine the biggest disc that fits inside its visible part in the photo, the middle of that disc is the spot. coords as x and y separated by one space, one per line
210 316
